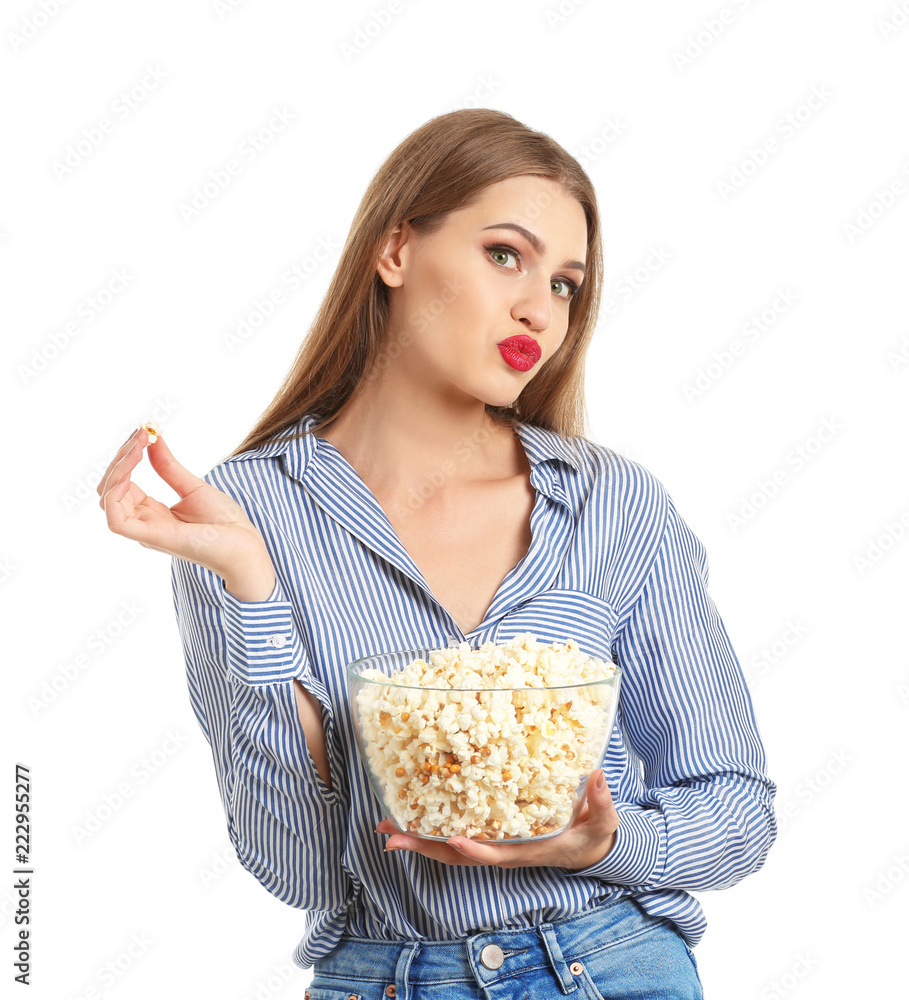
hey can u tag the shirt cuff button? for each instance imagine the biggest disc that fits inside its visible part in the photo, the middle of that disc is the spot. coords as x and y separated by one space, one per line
278 641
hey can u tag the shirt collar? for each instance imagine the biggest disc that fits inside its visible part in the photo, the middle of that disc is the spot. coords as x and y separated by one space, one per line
542 447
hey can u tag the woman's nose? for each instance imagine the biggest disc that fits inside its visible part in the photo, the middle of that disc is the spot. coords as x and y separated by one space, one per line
534 305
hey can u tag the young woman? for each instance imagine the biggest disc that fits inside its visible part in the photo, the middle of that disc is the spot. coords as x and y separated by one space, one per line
423 477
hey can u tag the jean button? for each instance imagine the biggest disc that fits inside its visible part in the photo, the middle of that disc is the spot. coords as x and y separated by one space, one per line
492 956
576 968
390 991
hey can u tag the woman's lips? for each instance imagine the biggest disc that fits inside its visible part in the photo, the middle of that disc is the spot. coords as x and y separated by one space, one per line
521 352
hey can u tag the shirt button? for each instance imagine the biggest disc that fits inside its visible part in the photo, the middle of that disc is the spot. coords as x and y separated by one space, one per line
492 956
277 641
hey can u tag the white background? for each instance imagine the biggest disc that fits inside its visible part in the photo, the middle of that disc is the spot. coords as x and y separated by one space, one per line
810 581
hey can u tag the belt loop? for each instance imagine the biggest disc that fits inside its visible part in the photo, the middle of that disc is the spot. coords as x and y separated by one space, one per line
408 954
567 982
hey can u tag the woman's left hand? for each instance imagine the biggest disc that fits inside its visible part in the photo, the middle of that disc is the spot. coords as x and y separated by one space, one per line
588 840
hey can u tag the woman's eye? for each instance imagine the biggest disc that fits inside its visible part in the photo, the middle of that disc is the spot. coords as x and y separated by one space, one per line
564 289
497 252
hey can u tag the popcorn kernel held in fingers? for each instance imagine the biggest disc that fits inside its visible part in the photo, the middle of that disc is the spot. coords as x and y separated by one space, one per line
152 429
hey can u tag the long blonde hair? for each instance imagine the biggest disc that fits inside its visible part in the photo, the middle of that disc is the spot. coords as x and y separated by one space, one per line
437 169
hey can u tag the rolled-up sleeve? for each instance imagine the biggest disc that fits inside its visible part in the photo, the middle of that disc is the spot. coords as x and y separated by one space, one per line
705 819
242 658
262 647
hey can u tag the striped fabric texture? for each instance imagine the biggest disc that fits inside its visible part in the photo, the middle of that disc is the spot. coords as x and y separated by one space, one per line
611 565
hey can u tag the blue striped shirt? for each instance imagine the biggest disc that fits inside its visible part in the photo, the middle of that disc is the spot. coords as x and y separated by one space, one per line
611 565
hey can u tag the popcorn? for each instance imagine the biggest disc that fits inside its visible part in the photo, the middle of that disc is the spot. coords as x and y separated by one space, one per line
502 761
152 429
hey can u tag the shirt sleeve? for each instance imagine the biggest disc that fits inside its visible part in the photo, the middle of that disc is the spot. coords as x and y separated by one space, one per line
705 819
285 824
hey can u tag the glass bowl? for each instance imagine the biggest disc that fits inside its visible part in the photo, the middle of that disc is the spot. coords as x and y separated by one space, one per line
489 763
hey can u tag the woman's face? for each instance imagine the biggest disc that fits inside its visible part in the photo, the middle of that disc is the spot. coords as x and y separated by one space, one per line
505 266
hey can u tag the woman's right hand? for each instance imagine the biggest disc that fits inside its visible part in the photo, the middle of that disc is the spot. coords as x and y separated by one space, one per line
206 527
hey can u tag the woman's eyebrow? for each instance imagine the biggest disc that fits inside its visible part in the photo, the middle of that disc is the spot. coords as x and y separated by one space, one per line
535 242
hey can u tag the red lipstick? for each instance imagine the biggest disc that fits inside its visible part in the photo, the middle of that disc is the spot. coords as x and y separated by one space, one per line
521 352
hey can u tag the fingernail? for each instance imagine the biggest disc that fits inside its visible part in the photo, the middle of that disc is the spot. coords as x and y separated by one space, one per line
601 781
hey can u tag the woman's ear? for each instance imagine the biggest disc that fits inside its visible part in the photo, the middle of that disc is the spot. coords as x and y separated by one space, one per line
391 263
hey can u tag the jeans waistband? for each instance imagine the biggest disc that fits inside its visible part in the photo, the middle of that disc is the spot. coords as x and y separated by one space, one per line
472 959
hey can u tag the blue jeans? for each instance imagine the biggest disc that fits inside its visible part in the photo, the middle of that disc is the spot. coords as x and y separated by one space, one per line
609 952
